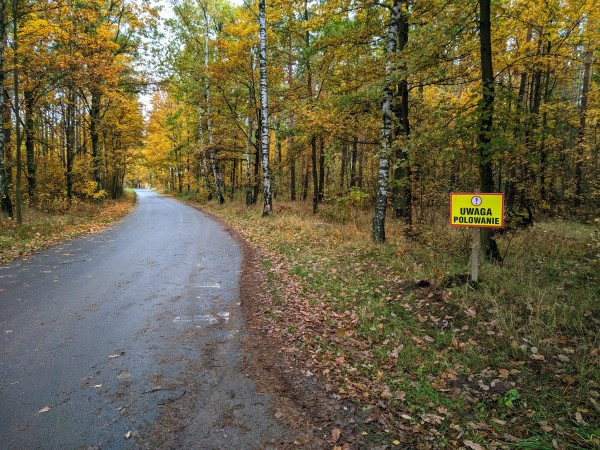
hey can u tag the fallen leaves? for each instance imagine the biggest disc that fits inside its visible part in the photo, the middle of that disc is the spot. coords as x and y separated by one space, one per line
473 446
335 434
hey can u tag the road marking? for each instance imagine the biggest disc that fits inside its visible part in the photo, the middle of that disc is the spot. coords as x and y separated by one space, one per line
209 285
205 318
197 318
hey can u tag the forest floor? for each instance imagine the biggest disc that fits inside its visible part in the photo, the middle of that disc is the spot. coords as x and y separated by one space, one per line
42 229
390 346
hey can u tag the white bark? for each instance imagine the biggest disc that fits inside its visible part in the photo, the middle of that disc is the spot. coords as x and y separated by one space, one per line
386 127
203 150
249 126
18 200
3 36
213 161
268 204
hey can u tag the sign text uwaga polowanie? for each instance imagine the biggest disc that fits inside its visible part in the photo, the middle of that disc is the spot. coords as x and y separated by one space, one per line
482 210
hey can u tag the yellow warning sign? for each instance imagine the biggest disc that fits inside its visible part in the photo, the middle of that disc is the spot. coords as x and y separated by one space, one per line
475 209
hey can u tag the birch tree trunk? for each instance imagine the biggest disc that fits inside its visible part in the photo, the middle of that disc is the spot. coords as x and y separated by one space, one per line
203 150
250 125
268 204
378 230
218 191
18 199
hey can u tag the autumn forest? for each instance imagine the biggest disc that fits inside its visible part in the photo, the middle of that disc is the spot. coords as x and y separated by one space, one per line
73 73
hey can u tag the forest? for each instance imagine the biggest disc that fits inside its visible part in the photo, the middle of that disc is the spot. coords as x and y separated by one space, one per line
329 67
331 134
72 73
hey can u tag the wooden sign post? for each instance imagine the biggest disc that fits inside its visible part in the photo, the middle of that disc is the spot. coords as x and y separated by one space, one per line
476 210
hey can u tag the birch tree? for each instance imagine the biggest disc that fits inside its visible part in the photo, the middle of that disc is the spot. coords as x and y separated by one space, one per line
386 127
218 192
264 110
16 105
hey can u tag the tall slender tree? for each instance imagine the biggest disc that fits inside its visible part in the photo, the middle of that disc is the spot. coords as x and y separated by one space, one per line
5 202
264 110
486 119
378 230
16 108
402 172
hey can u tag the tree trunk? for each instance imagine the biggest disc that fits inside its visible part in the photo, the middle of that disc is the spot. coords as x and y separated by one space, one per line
248 148
510 186
219 194
587 62
321 170
30 143
5 202
353 162
315 175
203 150
257 158
268 201
290 153
484 136
359 179
343 163
70 142
305 176
18 199
5 179
544 124
94 122
292 160
402 191
233 180
277 172
378 230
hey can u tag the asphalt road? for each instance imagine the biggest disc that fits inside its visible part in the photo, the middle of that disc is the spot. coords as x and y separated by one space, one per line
130 338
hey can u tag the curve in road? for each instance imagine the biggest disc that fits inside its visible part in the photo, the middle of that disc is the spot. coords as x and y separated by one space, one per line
130 338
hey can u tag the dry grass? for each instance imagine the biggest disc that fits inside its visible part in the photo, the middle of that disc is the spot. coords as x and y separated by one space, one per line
42 229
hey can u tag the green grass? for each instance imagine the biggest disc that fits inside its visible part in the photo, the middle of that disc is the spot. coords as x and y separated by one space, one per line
384 324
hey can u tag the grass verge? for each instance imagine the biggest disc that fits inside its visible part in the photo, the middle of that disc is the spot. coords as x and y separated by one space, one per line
43 229
437 362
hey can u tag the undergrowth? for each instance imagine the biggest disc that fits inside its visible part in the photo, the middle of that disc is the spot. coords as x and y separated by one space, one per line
509 362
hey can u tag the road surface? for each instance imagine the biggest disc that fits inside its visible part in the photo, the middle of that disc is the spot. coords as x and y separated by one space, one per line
130 338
